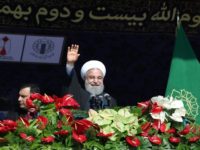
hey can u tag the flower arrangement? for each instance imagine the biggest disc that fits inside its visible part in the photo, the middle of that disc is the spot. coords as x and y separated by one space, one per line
117 127
159 123
165 125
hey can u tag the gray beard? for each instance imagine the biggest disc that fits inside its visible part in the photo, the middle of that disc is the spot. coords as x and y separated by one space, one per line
94 90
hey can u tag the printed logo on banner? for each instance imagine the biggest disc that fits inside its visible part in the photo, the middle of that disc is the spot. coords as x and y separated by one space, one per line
11 46
43 48
4 46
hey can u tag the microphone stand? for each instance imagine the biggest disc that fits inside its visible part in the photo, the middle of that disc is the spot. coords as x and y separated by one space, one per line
95 102
100 101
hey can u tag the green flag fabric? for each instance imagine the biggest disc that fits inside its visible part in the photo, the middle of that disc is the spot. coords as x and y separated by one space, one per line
184 77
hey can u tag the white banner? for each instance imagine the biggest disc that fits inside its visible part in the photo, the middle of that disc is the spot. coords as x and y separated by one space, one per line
11 46
42 49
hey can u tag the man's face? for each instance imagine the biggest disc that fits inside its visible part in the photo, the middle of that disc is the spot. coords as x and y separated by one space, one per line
94 81
24 93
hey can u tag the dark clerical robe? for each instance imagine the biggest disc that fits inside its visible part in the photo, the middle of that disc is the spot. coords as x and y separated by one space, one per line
84 98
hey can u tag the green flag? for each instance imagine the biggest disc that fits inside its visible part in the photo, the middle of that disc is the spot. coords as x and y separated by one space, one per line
184 76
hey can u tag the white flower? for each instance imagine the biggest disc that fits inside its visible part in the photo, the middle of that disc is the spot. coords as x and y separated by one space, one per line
160 116
176 104
161 101
167 103
178 115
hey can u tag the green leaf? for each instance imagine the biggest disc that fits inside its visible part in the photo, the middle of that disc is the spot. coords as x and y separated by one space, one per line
93 145
145 144
79 114
117 145
136 111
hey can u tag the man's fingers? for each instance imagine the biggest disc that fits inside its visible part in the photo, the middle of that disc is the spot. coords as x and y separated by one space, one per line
77 47
68 48
74 47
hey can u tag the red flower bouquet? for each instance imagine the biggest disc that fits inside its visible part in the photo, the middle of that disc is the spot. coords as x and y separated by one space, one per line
159 123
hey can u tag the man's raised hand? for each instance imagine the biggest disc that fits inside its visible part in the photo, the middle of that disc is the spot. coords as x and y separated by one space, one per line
72 53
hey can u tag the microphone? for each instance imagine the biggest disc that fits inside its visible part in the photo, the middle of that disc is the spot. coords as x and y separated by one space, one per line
107 96
96 101
93 101
107 100
100 101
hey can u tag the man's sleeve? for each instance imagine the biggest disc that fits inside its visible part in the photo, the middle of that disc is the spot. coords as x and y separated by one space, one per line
69 69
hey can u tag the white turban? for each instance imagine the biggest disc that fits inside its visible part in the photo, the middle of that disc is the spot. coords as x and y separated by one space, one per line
92 64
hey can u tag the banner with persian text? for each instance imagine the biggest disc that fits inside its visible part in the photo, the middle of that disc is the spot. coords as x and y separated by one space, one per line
99 15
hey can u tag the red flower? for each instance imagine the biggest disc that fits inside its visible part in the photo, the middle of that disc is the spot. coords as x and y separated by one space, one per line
48 139
47 99
146 126
155 140
133 141
23 135
101 134
143 105
145 129
59 124
79 137
10 123
70 102
67 113
171 130
163 127
156 124
4 129
42 122
27 138
58 102
82 125
24 121
144 134
194 139
30 138
62 132
156 109
29 103
36 96
186 130
174 139
66 101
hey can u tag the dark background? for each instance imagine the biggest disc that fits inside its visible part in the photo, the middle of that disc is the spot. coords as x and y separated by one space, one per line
137 65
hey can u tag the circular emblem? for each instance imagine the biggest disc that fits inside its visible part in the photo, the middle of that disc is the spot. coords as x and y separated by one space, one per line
43 46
